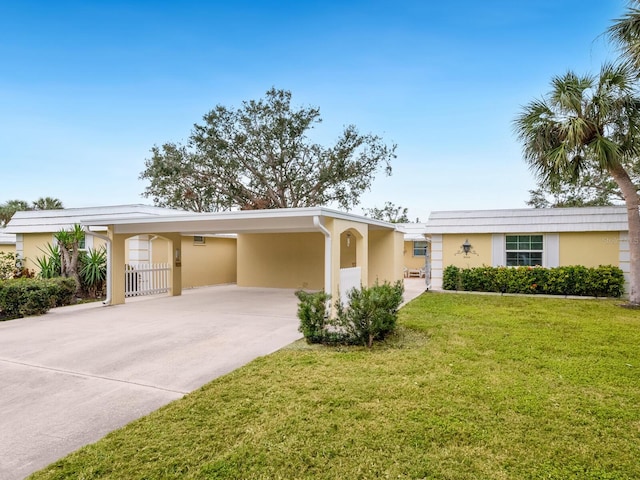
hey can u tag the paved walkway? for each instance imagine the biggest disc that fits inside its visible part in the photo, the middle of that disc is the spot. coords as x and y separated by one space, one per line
71 376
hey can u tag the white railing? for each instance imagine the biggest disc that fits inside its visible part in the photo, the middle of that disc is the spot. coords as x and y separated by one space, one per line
146 279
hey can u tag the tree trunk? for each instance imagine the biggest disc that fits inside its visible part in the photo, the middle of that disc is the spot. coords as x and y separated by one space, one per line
65 259
69 265
73 267
632 201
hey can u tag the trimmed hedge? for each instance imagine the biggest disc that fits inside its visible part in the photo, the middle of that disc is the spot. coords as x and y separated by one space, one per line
603 281
28 296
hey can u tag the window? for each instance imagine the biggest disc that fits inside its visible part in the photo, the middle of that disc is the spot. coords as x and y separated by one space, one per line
198 240
419 249
524 250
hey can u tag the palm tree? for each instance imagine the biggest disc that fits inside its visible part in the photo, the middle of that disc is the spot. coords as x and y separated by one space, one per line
10 207
588 122
47 203
626 33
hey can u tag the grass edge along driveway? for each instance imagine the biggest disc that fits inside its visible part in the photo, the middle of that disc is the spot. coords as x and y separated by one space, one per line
472 387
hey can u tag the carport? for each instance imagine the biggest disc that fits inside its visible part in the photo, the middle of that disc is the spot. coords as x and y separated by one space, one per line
311 248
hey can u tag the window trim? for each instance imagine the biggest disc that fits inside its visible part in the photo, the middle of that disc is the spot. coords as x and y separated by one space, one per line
421 248
530 250
199 240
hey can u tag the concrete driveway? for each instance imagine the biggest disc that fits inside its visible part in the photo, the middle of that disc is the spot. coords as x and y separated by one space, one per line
69 377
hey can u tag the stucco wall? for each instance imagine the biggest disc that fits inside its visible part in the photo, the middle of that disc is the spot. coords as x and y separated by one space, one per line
589 248
481 252
409 260
385 256
33 246
213 263
7 248
283 260
348 250
160 249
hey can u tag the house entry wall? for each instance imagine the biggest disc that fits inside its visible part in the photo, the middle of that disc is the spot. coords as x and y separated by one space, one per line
281 260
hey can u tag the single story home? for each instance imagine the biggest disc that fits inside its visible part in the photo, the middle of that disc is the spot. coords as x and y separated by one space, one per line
320 248
310 248
588 236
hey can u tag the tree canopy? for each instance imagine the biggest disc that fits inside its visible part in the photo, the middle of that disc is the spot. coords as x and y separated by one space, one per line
258 156
594 188
389 213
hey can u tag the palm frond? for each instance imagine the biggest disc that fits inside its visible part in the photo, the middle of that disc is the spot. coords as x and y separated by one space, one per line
625 32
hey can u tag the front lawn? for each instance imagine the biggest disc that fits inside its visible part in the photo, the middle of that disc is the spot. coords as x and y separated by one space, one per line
472 387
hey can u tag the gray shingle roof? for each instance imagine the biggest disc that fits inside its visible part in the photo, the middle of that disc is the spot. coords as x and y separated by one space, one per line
543 220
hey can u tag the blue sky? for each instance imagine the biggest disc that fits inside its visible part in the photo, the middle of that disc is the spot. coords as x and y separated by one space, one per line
88 87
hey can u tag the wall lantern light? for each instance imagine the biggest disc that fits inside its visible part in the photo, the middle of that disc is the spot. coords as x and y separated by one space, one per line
348 239
466 249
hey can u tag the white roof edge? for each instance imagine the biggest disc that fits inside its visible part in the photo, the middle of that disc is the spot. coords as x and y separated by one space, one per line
240 214
75 211
530 211
528 229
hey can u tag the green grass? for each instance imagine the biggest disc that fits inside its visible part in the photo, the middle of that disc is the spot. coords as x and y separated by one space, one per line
472 387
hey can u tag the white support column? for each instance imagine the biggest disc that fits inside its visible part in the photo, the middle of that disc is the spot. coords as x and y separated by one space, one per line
20 246
436 262
327 253
551 253
498 250
624 259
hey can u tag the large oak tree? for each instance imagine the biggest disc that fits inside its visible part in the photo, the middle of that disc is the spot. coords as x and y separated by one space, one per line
258 156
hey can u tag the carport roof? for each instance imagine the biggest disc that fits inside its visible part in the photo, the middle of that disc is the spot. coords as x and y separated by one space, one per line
245 221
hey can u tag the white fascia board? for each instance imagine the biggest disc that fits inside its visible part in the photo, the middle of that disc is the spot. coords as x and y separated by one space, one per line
289 219
538 228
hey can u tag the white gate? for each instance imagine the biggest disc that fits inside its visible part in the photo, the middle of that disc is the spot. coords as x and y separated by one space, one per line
350 278
146 279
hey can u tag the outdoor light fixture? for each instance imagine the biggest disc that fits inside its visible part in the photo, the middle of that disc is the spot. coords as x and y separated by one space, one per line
465 249
348 239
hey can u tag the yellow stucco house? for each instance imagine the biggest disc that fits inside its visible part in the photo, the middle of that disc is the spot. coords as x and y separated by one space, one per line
319 248
588 236
310 248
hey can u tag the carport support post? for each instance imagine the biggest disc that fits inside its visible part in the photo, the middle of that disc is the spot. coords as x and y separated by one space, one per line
117 266
175 257
328 264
